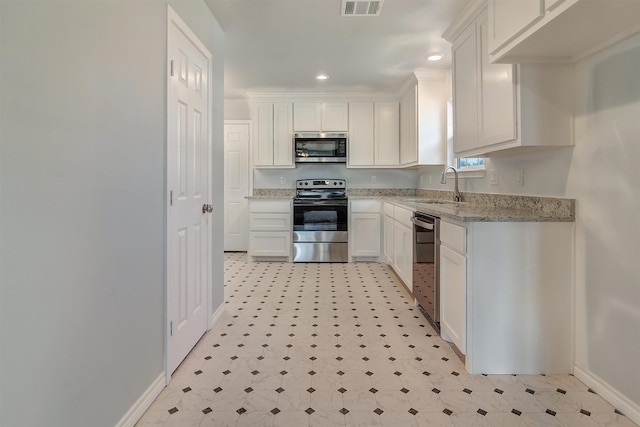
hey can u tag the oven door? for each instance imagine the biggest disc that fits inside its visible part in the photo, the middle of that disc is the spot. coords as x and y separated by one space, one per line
320 215
320 231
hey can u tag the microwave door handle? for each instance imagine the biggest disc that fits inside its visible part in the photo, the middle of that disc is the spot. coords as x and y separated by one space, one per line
421 223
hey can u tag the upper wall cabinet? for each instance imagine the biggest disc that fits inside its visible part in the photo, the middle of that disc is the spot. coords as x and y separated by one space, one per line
320 117
557 30
373 134
423 119
272 135
503 107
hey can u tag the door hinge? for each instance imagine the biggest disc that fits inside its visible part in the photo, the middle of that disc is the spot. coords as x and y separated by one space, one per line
171 198
172 68
171 328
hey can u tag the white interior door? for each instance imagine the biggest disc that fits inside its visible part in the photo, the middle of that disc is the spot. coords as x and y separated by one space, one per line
236 186
188 177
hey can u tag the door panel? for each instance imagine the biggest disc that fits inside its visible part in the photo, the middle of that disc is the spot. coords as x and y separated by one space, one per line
188 157
236 186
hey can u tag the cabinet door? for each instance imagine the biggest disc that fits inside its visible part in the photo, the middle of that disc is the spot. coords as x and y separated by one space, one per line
365 234
508 19
407 241
388 239
282 134
263 134
409 127
307 116
335 117
361 134
269 243
387 134
465 91
497 113
453 297
403 253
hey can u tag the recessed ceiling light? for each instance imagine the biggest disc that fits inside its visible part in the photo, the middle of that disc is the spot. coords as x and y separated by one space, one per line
434 57
322 77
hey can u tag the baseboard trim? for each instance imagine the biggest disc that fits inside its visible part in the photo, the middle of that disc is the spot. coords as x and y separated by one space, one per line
216 315
623 404
142 404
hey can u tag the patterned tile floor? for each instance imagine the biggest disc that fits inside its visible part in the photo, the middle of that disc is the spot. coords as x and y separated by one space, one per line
343 345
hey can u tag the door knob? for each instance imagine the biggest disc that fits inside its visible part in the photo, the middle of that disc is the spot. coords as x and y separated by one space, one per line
207 208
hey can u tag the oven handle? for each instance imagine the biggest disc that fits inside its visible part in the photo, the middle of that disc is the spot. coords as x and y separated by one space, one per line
422 223
319 203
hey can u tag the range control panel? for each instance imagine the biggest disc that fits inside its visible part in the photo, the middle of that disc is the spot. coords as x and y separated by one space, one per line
321 183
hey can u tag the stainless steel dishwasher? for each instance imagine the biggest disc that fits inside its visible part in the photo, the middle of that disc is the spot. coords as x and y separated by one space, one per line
426 272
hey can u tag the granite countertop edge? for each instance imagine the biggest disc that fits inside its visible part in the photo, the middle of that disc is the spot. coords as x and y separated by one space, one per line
544 209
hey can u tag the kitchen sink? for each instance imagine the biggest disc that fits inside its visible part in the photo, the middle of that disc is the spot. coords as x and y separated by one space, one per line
431 201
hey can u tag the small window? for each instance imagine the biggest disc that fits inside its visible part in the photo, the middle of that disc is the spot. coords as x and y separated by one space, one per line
469 162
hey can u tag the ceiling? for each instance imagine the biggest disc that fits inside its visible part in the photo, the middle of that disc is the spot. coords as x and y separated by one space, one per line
279 46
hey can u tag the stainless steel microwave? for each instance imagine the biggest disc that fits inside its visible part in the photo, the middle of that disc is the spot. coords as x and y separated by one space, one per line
320 147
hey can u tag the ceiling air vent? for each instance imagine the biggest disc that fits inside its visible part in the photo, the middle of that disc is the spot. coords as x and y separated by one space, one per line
361 7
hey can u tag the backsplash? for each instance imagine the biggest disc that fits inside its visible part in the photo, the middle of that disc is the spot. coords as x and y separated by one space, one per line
380 192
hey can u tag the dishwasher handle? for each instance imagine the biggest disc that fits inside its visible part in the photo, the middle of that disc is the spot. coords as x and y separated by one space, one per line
422 224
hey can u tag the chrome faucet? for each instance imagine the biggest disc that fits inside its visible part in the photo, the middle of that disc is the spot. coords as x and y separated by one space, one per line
456 193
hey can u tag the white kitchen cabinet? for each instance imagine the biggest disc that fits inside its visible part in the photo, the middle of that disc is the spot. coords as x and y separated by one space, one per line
388 232
361 130
386 137
465 91
555 31
272 135
269 229
374 134
365 229
510 18
423 119
403 245
502 107
453 286
506 295
320 117
307 116
335 117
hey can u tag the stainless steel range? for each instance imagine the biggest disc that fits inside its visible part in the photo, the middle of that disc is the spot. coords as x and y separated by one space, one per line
320 217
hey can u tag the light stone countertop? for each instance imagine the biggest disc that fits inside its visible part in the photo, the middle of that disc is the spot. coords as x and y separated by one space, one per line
476 207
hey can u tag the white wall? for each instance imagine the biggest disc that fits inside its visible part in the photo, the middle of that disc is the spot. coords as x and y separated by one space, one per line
356 178
82 139
236 109
605 179
602 173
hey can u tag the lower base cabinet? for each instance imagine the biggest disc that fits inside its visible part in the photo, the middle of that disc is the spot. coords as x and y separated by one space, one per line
453 290
365 229
507 304
269 244
269 229
398 242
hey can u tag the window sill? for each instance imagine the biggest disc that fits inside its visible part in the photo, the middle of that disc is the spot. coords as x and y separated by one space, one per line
468 173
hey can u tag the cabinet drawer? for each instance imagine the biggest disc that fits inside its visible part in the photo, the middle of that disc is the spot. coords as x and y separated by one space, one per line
259 221
453 236
270 244
271 206
365 206
403 216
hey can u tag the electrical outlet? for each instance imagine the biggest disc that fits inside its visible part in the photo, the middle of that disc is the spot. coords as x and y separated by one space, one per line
493 177
374 179
520 177
283 180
